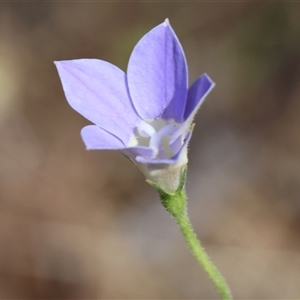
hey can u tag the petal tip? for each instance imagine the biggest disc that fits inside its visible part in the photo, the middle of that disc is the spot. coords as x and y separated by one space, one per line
166 22
56 63
59 63
210 80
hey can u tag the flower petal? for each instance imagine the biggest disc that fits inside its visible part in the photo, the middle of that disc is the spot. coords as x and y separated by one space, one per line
197 93
98 91
96 138
157 75
176 145
133 152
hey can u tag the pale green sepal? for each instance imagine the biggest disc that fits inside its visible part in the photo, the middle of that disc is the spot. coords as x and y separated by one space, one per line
174 202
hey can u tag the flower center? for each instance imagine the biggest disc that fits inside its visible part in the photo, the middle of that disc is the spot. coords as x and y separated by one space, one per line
156 135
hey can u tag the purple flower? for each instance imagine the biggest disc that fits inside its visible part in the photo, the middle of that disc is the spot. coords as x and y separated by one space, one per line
147 113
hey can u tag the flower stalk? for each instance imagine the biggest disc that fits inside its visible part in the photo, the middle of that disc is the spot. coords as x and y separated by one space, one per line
175 204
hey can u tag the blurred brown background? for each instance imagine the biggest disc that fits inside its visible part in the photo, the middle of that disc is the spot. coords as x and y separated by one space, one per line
84 225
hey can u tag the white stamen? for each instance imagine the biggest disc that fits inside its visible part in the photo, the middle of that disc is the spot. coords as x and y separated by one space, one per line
157 138
133 142
146 130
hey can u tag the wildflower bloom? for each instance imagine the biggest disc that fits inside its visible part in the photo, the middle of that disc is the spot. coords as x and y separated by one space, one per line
147 113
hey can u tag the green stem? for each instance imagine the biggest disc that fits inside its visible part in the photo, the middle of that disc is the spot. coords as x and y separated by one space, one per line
197 249
175 204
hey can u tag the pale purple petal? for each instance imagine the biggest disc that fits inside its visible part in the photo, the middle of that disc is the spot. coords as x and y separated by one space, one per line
98 91
96 138
175 145
197 93
133 152
157 75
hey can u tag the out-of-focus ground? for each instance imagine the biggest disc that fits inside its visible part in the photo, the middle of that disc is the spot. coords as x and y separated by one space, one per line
84 225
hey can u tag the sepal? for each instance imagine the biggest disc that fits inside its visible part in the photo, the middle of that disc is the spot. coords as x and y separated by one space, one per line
174 202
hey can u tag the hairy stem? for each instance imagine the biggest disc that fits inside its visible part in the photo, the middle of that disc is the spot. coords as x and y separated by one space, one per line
175 204
195 246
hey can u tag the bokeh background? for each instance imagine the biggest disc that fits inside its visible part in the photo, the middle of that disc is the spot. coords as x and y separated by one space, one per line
77 224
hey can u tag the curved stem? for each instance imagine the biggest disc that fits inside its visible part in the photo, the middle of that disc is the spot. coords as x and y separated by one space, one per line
175 204
197 249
